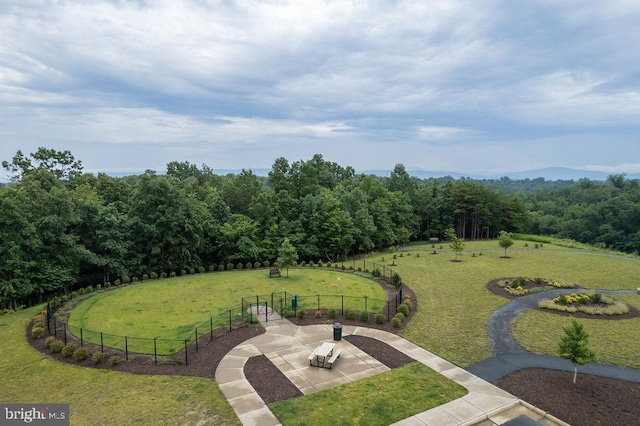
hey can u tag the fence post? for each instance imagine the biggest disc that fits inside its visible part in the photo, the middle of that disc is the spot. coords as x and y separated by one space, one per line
64 326
318 302
186 353
196 339
101 343
155 350
230 320
272 307
266 308
126 348
342 304
384 272
81 339
211 327
250 314
365 303
388 310
55 328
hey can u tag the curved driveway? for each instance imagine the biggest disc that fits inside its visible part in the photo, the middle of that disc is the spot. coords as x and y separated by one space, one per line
509 356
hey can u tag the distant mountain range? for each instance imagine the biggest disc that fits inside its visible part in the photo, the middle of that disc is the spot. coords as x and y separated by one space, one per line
549 174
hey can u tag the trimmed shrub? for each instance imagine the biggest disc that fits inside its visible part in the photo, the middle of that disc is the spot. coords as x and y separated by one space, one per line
37 332
173 274
213 267
332 313
318 314
350 315
301 313
97 357
303 263
376 272
239 266
395 321
256 265
229 266
125 279
409 304
81 291
364 316
380 319
56 346
153 276
399 315
266 263
49 341
183 272
221 267
403 309
68 350
81 354
74 295
312 264
192 271
98 287
135 279
145 277
163 275
249 265
201 269
396 280
114 360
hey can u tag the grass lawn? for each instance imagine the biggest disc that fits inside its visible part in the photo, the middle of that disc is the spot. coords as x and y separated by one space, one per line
99 396
453 310
378 400
614 341
454 305
172 308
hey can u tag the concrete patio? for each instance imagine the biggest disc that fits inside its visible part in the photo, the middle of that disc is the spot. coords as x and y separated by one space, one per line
288 345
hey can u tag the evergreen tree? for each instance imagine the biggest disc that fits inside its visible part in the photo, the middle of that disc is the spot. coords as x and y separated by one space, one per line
574 346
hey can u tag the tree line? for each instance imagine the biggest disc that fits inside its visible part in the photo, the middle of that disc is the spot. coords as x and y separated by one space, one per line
62 228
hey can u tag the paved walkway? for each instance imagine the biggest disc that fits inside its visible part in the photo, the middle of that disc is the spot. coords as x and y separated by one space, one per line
509 356
288 346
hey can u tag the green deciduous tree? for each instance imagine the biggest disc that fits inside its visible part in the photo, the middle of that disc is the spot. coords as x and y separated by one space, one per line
287 255
574 346
505 239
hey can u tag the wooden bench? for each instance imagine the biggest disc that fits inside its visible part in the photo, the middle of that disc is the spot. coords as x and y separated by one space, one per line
274 272
336 355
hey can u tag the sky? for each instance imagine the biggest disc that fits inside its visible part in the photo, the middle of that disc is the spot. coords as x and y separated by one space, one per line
470 86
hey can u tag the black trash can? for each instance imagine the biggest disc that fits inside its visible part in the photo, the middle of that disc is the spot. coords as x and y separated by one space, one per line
337 331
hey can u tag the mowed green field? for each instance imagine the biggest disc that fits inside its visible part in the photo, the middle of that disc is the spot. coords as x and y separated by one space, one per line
453 310
102 397
454 305
173 308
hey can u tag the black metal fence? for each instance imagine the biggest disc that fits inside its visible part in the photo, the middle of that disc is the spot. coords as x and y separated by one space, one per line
253 309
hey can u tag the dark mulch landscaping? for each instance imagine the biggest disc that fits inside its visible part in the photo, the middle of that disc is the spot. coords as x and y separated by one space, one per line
592 401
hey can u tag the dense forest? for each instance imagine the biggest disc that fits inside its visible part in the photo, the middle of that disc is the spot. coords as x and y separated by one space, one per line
62 228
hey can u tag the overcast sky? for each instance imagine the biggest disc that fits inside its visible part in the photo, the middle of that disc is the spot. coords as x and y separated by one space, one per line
476 86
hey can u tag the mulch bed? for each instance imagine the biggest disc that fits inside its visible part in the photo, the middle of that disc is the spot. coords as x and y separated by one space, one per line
591 401
493 287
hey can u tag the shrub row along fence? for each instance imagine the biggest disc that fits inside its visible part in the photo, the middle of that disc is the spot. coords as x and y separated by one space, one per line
251 311
160 348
